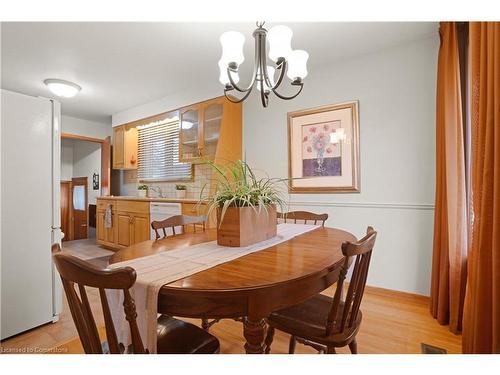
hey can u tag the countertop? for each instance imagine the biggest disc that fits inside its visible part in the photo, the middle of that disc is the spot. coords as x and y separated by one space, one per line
140 199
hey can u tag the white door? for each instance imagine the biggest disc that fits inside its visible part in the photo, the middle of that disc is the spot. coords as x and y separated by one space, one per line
26 198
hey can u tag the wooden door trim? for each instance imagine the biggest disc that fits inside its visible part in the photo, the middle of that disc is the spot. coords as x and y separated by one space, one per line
81 138
69 236
105 181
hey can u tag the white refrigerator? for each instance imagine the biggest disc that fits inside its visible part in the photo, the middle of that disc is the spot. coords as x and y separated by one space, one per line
31 293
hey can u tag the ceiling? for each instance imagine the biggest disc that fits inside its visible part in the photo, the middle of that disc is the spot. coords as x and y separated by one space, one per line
120 65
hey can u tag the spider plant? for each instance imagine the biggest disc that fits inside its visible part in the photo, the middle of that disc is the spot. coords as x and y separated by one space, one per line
236 185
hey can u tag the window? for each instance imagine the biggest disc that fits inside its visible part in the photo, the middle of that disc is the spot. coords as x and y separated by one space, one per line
159 153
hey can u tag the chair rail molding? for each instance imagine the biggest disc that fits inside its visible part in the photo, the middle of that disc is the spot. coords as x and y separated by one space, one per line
394 205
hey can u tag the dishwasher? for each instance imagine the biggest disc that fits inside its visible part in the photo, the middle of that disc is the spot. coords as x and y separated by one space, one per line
159 211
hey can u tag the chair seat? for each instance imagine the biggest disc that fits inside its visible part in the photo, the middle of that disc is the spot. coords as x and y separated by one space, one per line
308 320
178 337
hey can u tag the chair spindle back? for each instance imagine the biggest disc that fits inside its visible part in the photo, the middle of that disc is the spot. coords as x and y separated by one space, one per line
361 251
77 272
303 217
176 221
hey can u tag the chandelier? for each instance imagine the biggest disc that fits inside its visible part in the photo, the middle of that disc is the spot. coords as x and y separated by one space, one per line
285 60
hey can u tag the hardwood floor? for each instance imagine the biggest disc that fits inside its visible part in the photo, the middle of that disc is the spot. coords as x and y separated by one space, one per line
393 322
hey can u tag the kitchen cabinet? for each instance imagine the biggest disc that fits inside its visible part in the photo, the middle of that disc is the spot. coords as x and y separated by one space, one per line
130 223
131 220
105 236
140 228
210 130
125 143
123 225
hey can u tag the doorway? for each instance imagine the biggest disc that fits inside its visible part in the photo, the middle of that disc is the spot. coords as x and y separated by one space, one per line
75 217
79 207
85 175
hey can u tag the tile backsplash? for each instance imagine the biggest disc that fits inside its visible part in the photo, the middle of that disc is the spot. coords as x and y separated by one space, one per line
202 177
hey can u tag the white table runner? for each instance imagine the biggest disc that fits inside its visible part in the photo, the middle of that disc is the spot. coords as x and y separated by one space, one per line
159 269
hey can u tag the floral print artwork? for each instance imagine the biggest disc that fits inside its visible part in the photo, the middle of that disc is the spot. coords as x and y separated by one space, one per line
319 156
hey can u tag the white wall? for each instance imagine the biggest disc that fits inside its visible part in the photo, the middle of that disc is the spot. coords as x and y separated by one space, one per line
66 159
396 93
86 128
86 162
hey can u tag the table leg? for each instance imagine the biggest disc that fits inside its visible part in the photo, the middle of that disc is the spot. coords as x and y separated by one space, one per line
255 334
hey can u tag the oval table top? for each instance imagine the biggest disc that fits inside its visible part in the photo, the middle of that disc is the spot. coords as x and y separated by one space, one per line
301 256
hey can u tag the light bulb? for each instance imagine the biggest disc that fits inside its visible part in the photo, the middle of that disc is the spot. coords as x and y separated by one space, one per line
297 64
280 42
232 47
62 88
270 74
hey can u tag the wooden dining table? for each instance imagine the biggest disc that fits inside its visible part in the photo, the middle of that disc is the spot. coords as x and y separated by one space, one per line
252 286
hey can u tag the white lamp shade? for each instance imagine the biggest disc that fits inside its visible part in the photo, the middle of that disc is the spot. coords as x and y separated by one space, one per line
62 88
280 42
270 74
232 47
297 64
223 77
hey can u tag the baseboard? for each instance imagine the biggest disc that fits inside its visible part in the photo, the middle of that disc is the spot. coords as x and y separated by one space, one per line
396 293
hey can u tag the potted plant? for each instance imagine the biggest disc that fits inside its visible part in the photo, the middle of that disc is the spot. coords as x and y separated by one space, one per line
142 190
245 205
180 191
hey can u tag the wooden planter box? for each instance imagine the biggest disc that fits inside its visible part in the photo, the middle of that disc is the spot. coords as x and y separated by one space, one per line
243 226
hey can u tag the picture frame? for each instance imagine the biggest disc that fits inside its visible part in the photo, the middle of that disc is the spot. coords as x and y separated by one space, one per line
323 149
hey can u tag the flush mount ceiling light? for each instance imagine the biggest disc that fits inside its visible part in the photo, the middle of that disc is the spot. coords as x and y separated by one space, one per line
62 88
286 60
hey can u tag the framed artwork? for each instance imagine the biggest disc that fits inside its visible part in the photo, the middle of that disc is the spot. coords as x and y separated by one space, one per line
323 149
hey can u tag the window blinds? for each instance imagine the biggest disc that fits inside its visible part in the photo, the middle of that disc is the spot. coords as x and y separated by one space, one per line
159 153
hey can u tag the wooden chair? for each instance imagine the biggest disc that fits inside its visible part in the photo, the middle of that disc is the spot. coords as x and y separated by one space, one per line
174 336
182 220
306 217
176 221
321 322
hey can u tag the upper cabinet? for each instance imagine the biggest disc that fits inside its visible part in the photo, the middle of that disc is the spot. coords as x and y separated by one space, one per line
124 147
190 119
210 130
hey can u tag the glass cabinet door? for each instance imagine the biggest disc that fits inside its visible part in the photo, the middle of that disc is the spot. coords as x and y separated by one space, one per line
212 120
189 125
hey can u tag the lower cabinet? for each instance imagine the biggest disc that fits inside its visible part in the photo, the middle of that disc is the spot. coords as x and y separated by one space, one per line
140 228
132 228
105 236
131 221
124 232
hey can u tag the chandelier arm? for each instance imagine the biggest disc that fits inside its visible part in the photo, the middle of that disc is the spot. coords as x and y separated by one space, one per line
264 94
282 69
237 100
289 97
233 84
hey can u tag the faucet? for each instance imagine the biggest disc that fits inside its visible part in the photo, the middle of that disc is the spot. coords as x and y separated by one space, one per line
156 189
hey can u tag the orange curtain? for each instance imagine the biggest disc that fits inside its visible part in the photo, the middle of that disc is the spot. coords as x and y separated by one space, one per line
481 326
450 216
